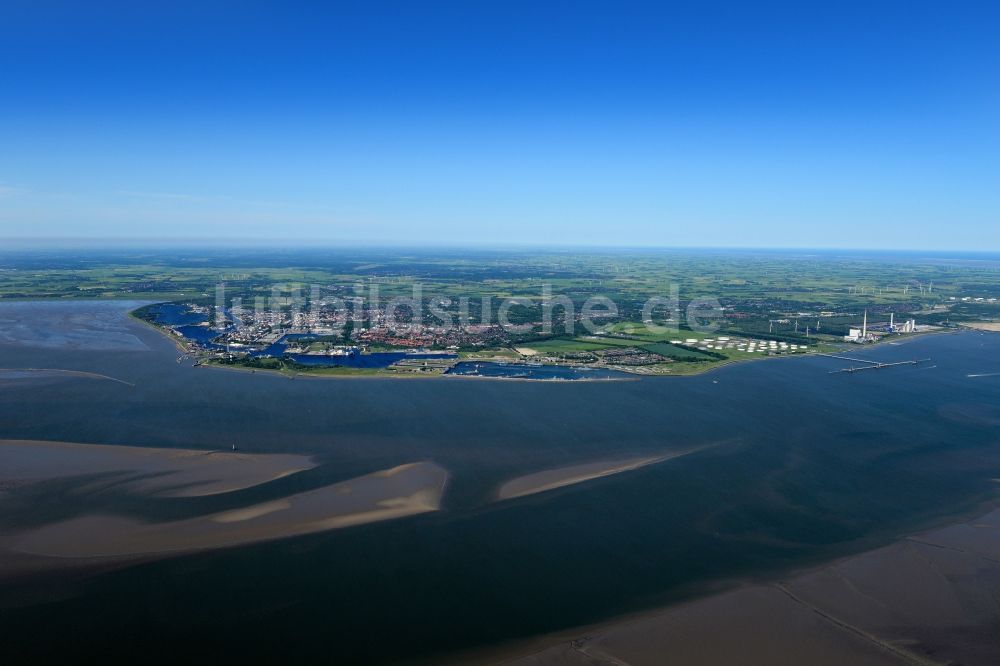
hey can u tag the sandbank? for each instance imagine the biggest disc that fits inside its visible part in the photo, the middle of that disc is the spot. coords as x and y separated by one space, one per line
161 472
550 479
393 493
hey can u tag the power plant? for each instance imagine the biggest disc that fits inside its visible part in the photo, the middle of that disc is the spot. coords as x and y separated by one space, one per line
861 335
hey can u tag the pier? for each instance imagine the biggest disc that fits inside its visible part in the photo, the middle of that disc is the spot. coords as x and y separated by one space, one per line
870 365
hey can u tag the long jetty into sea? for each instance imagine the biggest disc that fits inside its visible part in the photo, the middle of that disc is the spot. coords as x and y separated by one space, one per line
869 365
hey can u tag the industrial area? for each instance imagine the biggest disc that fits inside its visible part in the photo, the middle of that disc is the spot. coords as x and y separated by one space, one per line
874 332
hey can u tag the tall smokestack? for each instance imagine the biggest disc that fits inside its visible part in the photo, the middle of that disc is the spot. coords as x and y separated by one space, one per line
864 327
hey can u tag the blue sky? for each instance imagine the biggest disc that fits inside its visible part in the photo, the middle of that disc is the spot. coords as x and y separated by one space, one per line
847 124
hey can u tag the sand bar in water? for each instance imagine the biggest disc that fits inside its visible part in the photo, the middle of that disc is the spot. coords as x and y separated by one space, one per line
155 471
401 491
550 479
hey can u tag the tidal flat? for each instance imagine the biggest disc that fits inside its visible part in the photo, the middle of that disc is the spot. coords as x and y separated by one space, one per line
807 468
401 491
927 599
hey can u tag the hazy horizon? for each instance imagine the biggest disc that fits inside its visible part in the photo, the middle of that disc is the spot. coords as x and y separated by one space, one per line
253 244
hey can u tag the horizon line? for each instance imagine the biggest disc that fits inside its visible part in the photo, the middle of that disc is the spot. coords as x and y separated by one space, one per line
220 242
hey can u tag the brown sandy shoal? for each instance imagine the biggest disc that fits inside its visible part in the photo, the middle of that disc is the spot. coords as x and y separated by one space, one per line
550 479
156 471
394 493
927 599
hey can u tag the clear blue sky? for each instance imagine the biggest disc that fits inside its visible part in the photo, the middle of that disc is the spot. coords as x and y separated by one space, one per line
802 124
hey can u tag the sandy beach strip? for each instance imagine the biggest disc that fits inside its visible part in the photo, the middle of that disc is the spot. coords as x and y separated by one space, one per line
161 472
550 479
991 326
401 491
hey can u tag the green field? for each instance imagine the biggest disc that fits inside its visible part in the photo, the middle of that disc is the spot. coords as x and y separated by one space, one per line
564 345
795 297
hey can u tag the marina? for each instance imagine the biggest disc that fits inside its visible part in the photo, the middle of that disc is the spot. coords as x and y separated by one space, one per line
194 328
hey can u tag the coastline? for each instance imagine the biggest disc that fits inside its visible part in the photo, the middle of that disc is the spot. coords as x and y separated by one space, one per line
379 374
982 326
334 372
376 374
178 342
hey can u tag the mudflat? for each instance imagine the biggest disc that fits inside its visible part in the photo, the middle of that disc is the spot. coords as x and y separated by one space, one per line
926 599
